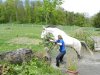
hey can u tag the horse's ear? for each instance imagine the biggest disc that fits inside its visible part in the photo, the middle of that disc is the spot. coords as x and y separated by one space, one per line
44 27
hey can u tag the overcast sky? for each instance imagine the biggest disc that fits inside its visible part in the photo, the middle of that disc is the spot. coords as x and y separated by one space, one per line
90 7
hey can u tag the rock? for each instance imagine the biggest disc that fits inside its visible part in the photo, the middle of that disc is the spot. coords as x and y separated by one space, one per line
17 56
44 55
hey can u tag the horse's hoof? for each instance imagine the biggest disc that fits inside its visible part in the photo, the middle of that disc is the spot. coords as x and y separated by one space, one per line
80 57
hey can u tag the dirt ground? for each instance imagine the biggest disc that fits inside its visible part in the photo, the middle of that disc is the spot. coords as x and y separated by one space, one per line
24 40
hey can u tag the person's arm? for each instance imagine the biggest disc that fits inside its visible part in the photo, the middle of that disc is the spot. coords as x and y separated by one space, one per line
59 44
52 39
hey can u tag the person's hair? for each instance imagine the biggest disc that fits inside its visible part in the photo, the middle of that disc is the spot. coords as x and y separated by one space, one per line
60 36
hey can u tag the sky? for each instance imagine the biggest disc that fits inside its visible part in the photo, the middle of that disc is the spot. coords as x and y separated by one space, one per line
89 7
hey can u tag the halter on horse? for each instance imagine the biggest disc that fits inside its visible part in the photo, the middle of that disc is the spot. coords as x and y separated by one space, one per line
69 41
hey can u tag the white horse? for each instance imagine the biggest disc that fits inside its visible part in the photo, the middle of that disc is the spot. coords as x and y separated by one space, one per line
69 41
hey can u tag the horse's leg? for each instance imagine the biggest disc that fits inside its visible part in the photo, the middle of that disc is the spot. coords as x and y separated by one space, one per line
77 48
77 52
78 55
86 47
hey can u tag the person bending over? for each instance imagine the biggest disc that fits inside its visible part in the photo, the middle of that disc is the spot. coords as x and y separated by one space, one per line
62 50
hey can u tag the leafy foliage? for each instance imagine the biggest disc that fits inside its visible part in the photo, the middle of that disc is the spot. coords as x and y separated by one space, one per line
83 35
34 67
39 12
96 20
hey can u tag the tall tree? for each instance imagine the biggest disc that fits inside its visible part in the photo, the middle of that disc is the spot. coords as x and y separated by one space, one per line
27 11
96 20
50 9
2 16
38 11
10 10
21 12
79 19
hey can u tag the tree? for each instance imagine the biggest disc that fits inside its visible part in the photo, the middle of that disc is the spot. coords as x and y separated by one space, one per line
2 17
27 11
59 17
38 12
50 7
80 19
96 20
20 13
10 10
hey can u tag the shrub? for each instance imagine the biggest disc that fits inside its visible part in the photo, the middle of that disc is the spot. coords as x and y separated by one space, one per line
83 35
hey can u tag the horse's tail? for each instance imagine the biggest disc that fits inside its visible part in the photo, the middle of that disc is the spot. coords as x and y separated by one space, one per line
86 46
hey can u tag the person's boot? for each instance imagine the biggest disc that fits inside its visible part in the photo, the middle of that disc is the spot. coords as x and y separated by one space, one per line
57 65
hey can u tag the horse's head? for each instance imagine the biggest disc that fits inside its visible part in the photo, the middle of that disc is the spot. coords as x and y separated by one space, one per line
46 32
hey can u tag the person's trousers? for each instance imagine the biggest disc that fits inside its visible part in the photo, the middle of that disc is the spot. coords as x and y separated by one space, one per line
59 58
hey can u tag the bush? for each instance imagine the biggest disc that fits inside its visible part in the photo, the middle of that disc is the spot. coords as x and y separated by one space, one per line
34 67
83 35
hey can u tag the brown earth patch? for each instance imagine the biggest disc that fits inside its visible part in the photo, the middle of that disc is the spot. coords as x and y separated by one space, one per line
24 40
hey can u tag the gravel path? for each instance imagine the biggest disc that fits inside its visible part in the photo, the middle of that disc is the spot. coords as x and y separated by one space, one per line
90 65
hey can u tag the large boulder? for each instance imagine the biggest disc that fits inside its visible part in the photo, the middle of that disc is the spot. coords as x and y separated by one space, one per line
17 56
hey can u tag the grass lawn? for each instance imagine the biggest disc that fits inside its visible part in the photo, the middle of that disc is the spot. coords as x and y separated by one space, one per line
14 36
9 32
13 31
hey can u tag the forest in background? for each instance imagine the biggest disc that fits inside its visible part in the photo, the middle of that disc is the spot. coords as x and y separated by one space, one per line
43 12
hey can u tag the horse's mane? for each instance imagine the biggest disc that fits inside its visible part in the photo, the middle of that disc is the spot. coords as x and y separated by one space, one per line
51 26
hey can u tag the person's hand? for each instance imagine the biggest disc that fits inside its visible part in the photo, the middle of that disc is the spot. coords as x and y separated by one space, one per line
51 40
59 44
47 39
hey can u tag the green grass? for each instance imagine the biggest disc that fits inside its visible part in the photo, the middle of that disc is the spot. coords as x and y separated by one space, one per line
11 31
